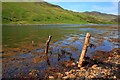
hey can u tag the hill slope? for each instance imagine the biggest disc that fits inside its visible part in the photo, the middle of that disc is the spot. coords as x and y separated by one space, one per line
104 16
45 13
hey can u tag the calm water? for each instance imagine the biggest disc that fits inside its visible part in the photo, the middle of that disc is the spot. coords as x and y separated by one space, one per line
14 36
67 41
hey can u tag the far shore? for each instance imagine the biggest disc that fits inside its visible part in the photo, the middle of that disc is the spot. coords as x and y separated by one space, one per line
61 24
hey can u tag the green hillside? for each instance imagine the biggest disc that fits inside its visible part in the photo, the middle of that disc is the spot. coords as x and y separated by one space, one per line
103 16
45 13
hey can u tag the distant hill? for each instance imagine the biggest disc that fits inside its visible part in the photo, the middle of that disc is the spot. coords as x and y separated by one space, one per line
103 16
46 13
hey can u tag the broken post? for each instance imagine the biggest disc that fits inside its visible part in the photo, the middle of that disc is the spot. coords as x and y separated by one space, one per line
46 50
84 50
47 44
32 43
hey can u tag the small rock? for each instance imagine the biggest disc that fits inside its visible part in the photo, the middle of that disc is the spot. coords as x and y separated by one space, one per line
60 75
65 77
51 77
73 64
110 58
30 73
94 66
92 76
33 72
114 77
82 68
78 70
67 73
71 71
77 62
71 76
116 62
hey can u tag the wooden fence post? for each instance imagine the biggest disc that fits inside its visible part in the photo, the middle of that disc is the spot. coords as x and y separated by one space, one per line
47 44
84 50
47 48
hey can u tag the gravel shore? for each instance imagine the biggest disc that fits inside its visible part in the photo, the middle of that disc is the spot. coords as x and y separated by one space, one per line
102 65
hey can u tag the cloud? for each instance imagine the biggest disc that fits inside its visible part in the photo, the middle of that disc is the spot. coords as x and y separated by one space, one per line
74 10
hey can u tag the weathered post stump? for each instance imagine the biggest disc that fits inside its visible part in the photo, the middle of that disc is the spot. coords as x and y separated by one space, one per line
84 50
47 48
47 44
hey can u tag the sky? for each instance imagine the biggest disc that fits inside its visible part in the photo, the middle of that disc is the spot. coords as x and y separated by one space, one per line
104 7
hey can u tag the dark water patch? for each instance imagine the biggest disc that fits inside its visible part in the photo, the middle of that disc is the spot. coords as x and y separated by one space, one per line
106 46
27 56
39 50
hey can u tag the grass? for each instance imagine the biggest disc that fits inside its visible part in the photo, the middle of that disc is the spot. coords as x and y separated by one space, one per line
45 13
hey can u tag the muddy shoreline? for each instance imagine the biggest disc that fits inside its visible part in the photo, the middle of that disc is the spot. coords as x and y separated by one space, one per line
102 65
102 60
